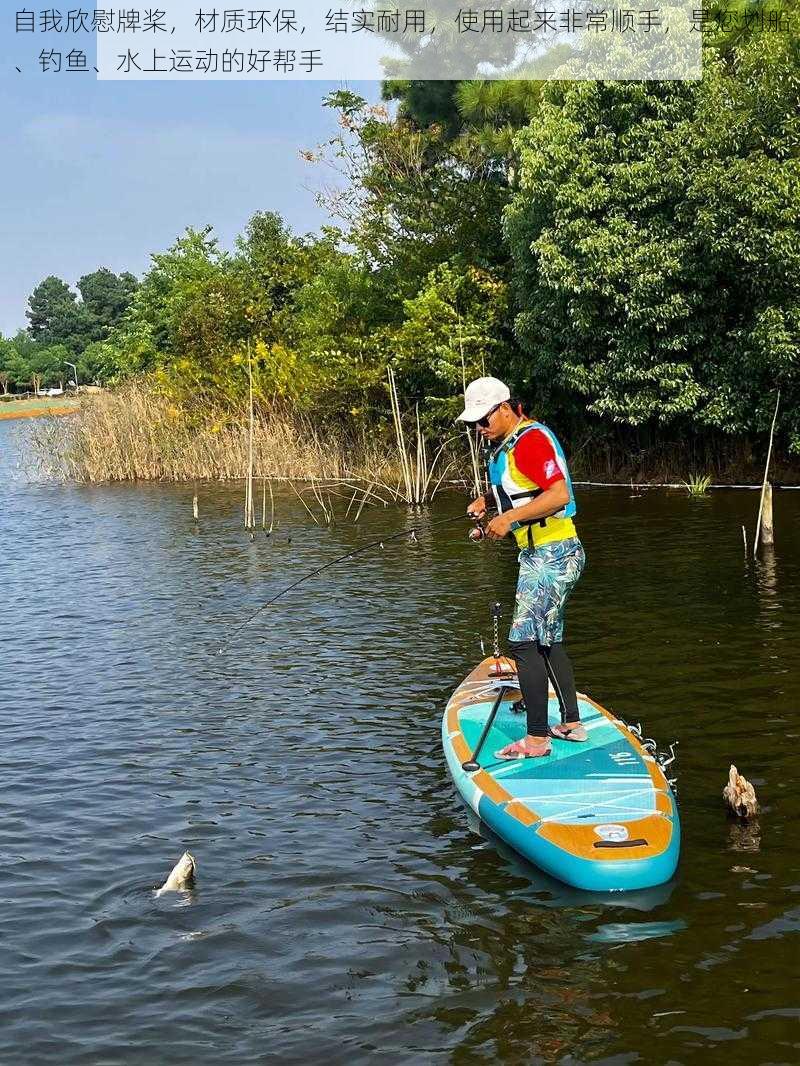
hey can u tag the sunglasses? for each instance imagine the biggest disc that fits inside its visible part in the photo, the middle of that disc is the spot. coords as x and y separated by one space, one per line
484 422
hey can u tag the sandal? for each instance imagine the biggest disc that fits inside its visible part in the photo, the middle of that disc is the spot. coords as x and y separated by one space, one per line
520 750
576 733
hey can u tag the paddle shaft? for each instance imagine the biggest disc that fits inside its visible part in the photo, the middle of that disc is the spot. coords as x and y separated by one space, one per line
472 764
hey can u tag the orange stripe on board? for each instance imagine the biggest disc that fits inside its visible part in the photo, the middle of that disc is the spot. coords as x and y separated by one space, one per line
490 788
518 810
663 803
580 840
460 749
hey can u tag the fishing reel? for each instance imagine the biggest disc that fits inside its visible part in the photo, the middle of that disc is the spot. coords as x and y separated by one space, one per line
478 531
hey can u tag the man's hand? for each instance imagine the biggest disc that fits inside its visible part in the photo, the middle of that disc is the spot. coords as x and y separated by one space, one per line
477 509
500 526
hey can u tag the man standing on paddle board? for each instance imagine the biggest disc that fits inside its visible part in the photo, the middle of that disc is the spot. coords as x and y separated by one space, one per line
532 492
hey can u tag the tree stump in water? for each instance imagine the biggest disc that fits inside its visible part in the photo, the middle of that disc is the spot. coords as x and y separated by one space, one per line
739 795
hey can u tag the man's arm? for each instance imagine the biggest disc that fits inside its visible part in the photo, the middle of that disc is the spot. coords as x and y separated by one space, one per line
546 503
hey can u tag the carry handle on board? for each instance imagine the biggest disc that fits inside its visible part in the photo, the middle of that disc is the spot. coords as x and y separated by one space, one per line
472 764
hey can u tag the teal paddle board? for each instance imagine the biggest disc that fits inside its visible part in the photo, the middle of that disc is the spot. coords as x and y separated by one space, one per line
598 815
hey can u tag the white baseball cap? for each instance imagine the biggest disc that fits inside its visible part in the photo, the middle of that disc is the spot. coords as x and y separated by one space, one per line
481 396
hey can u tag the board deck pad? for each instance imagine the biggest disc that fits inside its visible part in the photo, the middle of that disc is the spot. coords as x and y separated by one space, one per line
598 815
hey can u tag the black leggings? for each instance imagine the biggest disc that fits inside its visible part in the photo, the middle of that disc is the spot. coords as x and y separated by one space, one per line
533 678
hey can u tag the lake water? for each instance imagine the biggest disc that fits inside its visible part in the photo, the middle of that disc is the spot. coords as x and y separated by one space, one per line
347 905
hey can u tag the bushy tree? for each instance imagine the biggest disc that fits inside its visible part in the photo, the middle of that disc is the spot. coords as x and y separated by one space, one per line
18 354
105 297
54 315
13 369
457 327
99 363
47 366
656 242
412 198
57 317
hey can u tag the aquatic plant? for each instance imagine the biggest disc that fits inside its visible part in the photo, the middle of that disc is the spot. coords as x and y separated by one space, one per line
698 485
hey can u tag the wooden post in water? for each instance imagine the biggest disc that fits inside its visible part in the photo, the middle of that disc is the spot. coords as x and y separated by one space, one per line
195 510
767 535
766 485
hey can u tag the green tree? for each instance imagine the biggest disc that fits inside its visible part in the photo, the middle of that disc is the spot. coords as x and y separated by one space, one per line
156 331
656 242
47 366
17 368
53 314
16 356
99 363
457 326
6 354
412 198
105 297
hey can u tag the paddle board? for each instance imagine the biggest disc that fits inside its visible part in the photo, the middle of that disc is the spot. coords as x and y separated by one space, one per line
598 815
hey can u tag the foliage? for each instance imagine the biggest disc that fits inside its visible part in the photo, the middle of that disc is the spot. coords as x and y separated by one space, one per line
456 327
53 312
656 241
99 362
105 298
411 198
625 254
698 485
57 317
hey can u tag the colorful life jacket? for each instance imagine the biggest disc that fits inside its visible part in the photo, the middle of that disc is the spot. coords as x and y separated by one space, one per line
511 488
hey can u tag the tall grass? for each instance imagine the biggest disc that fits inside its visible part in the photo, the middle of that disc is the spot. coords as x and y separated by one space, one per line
417 484
135 434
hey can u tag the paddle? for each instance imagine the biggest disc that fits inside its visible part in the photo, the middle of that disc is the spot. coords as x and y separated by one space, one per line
472 764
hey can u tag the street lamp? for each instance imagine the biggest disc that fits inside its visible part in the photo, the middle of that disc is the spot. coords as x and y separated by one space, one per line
75 383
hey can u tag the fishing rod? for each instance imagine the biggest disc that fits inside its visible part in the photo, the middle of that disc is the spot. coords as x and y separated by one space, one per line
342 558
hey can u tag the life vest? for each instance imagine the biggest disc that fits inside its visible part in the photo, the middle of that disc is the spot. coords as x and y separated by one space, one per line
511 488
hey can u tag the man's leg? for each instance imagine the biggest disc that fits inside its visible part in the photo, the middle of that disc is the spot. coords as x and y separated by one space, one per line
532 675
565 680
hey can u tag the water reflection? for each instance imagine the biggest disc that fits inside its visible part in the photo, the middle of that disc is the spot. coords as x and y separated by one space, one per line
631 932
766 569
541 890
745 836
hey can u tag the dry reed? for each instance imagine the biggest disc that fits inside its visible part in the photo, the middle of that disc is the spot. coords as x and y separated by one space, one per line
477 488
416 487
135 434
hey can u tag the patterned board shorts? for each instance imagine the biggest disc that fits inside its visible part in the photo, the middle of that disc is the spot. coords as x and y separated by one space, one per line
547 575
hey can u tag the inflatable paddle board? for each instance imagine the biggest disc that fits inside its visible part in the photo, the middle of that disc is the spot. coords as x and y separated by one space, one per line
598 815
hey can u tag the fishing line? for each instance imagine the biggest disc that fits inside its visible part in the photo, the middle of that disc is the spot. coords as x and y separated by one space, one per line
341 559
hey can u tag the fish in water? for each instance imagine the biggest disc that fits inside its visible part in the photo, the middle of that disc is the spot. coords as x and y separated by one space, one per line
182 875
740 795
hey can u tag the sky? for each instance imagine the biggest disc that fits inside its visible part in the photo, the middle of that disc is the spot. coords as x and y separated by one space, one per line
106 173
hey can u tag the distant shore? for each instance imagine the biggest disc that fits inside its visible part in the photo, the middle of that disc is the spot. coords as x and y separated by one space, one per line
35 408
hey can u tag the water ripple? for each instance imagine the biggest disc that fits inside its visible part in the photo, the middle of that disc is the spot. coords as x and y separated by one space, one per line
347 905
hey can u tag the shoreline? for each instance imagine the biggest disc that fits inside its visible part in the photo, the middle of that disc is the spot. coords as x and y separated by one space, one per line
36 412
